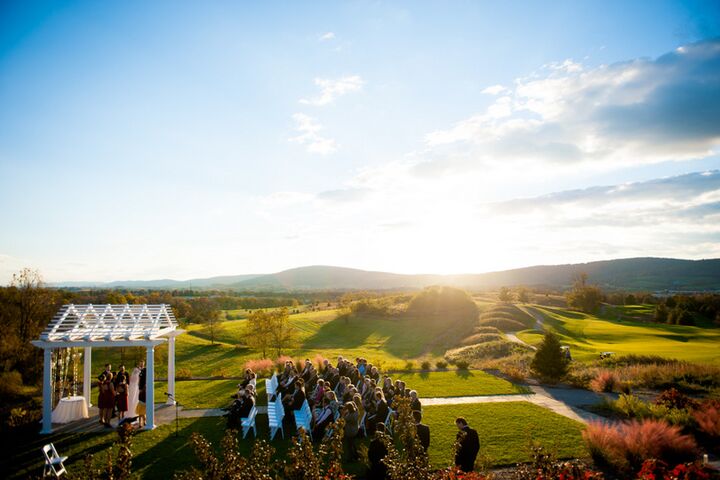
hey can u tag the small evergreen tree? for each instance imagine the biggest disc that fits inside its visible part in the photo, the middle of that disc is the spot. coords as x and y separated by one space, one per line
550 362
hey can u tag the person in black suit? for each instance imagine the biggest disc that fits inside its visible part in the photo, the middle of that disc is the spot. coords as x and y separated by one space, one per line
469 446
423 431
381 412
377 451
295 400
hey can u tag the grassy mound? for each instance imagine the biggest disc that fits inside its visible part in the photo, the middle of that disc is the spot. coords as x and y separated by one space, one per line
481 338
507 318
485 351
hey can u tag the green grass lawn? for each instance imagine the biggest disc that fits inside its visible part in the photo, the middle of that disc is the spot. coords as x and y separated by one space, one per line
384 341
506 431
588 335
458 383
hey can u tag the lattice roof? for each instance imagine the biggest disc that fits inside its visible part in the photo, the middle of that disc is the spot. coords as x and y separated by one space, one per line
98 323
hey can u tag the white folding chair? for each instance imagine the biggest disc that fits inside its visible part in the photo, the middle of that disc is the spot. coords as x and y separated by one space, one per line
53 461
249 423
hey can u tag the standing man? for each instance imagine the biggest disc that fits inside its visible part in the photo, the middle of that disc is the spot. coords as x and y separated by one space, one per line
423 431
468 446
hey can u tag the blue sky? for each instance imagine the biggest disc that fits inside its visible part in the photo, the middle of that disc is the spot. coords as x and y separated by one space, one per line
185 139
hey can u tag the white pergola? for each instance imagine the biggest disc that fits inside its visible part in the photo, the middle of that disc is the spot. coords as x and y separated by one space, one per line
90 326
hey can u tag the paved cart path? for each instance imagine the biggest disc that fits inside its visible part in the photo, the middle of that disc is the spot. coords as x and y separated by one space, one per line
566 402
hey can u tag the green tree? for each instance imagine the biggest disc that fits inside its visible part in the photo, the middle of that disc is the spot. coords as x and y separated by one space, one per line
661 313
258 334
282 332
523 296
549 362
505 295
583 296
204 311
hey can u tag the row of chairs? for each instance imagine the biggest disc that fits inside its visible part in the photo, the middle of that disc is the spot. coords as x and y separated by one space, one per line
303 418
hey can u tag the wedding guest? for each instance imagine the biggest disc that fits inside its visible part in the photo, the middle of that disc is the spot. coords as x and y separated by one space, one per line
415 401
423 431
350 415
106 398
377 451
294 401
121 381
469 446
140 410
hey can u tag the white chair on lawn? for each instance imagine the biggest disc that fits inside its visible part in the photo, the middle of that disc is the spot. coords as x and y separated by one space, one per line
249 423
53 461
389 420
271 386
276 412
361 426
303 418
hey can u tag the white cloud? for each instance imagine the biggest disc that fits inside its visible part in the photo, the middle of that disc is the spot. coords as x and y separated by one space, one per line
635 112
331 89
327 36
309 135
495 90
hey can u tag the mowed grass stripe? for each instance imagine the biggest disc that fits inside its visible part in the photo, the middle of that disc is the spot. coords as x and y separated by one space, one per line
588 335
458 383
506 430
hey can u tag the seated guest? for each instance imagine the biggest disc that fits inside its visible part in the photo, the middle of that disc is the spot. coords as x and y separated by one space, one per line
349 394
357 400
240 408
388 389
423 431
333 376
295 400
400 388
324 369
415 401
380 413
374 373
246 378
342 386
289 384
308 371
317 395
350 415
326 416
361 366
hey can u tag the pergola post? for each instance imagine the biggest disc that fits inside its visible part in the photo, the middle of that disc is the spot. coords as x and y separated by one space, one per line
150 388
87 376
171 370
47 392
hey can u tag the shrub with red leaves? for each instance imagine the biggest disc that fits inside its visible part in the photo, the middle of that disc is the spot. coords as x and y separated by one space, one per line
675 399
707 416
626 446
604 381
658 470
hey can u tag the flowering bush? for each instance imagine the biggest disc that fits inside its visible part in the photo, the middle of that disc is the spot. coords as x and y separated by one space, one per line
263 367
604 381
707 416
659 470
628 445
674 399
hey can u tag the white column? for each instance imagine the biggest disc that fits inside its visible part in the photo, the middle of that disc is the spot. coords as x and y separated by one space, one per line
87 376
47 392
171 371
150 388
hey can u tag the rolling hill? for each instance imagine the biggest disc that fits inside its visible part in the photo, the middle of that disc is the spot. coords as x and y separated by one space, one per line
647 274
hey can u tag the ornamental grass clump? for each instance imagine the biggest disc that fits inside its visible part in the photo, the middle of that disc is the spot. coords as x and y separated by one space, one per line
604 381
624 447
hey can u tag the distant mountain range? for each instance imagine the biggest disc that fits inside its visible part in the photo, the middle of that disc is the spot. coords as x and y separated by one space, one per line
646 274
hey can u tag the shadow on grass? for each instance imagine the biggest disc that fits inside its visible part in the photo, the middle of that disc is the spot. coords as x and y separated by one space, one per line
464 373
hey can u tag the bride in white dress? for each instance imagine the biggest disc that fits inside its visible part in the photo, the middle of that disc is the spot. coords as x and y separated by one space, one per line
133 391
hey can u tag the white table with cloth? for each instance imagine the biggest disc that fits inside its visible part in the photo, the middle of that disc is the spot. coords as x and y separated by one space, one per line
70 409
